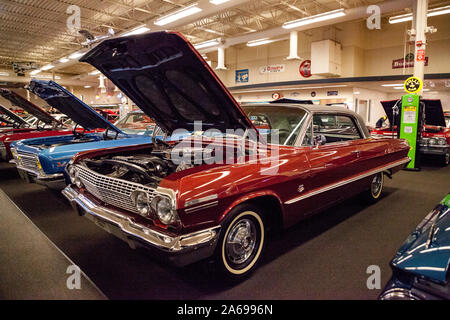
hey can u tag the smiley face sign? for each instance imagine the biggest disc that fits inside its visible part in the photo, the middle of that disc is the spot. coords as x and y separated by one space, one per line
413 85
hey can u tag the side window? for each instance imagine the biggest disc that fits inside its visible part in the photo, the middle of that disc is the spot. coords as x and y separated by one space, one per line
307 140
335 128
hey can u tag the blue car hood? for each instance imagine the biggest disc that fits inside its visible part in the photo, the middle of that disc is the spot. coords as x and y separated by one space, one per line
420 256
61 99
67 151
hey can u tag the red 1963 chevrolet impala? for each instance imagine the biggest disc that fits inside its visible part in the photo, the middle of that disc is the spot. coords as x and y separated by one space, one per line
210 202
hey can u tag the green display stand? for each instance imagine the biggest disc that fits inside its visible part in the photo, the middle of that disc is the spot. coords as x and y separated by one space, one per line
410 123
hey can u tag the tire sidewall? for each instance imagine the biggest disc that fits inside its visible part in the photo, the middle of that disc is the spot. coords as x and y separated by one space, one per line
235 215
378 195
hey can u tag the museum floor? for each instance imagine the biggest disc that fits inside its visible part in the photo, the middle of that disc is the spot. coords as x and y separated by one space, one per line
325 257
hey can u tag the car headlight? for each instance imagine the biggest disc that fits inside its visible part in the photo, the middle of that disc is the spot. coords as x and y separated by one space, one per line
442 141
432 141
71 171
141 202
163 208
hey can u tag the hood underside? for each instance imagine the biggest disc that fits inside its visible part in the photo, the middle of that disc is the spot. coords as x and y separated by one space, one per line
167 78
11 116
434 115
29 107
61 99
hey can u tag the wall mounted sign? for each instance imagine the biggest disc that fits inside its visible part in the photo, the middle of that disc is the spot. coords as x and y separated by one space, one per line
242 76
275 68
332 93
305 69
413 85
276 96
408 61
420 55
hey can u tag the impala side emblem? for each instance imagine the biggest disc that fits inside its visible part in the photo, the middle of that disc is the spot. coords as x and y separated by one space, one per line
300 188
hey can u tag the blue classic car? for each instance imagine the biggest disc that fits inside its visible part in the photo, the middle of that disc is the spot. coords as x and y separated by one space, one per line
421 267
43 160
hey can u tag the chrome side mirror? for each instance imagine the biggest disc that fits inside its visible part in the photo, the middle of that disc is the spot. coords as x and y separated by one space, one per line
319 140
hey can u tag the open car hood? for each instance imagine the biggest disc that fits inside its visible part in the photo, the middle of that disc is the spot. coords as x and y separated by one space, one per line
167 78
61 99
11 116
434 115
28 106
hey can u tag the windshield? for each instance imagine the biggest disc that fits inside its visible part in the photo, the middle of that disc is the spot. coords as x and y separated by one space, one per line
136 123
287 121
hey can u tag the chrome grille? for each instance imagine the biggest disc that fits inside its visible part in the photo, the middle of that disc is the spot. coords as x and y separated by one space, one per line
28 160
110 190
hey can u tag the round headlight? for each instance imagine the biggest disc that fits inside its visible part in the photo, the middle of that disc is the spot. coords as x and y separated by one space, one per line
442 141
71 170
163 209
432 141
141 203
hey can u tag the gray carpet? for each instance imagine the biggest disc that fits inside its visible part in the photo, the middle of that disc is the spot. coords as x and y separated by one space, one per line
325 257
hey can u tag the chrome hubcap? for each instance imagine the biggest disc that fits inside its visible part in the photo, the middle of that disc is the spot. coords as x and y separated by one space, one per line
376 184
241 241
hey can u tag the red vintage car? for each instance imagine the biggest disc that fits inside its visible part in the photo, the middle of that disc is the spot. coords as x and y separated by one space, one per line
218 195
47 125
435 136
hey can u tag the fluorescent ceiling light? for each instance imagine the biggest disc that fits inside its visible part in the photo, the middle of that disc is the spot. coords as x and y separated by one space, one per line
94 73
431 13
87 87
64 60
438 11
287 89
47 76
212 31
206 44
217 2
139 30
356 92
34 72
259 42
177 15
4 74
313 19
47 67
398 88
76 55
426 90
392 85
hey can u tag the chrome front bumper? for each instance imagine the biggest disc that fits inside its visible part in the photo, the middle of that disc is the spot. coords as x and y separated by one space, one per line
52 181
180 250
435 149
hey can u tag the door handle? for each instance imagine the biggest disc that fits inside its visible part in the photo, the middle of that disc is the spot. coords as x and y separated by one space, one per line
357 152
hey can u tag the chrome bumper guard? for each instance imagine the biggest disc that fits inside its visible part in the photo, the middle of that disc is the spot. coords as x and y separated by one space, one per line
434 149
53 181
180 250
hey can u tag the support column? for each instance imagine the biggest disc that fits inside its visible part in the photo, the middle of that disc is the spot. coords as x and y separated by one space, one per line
221 58
420 8
293 44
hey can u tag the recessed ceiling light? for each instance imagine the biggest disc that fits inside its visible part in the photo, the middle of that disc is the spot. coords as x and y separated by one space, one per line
177 15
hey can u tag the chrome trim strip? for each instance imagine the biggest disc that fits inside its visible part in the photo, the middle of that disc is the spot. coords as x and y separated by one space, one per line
346 181
149 236
202 206
200 200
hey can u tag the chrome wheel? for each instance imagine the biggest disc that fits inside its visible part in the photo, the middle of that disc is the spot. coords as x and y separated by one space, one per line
241 241
376 185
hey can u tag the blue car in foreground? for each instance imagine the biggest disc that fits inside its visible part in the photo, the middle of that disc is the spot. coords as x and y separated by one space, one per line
43 160
421 266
